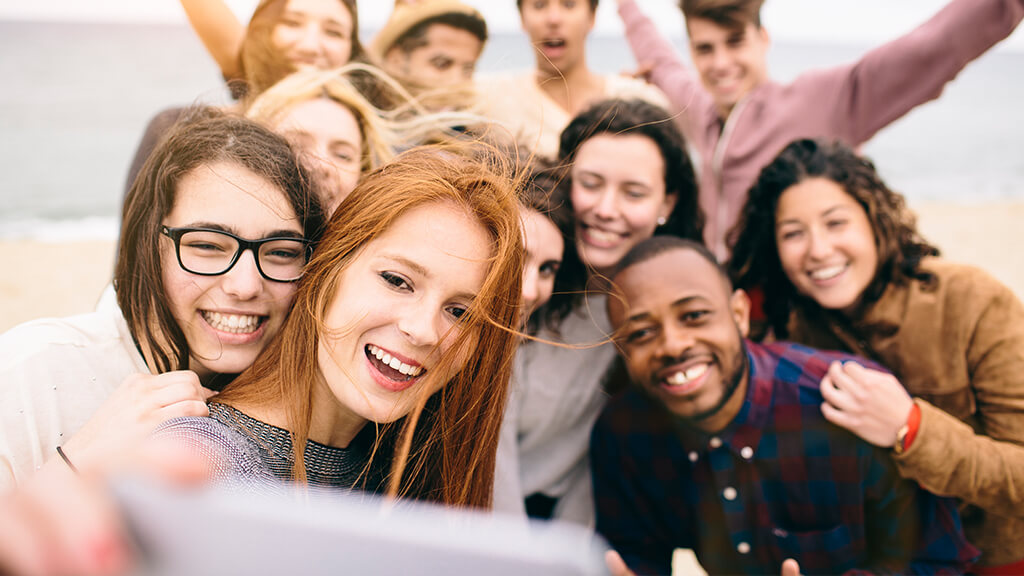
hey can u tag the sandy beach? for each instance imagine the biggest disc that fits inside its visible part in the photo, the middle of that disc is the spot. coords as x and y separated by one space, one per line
44 279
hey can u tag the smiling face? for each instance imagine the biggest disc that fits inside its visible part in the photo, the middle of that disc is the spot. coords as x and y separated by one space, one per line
618 194
544 247
396 314
314 34
680 331
826 244
448 58
558 31
730 62
330 133
227 319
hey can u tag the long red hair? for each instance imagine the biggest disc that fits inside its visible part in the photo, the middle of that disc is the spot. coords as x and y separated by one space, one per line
444 450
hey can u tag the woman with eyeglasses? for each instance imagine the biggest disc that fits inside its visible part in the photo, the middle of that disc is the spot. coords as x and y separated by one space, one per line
215 231
390 374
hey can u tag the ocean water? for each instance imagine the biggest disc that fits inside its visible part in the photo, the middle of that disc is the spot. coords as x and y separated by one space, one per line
77 97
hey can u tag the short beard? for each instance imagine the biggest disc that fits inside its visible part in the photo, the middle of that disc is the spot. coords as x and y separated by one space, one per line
732 382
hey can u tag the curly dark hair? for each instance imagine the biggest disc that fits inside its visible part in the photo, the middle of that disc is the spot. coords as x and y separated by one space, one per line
755 256
623 117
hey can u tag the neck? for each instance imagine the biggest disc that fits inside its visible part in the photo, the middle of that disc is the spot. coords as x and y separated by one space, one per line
571 89
722 418
332 423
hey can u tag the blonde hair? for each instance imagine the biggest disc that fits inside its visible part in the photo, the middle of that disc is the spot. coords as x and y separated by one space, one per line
382 132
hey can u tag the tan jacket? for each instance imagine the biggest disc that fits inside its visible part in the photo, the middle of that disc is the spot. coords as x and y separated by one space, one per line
957 345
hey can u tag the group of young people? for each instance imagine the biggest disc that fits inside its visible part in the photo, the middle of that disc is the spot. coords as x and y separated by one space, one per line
530 293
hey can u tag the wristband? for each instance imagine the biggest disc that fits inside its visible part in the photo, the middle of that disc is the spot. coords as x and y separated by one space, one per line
907 433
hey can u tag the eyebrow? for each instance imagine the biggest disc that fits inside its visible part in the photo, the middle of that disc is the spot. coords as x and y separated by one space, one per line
825 213
585 172
423 272
282 233
680 302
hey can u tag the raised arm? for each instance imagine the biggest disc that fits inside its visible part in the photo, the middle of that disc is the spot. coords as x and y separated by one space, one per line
894 78
219 30
662 64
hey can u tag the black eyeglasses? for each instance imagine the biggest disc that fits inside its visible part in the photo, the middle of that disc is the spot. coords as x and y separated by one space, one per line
209 252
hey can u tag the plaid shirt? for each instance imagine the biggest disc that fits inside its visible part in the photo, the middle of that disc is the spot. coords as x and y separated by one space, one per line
779 482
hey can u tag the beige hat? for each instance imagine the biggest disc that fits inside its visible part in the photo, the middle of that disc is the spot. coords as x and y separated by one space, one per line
407 15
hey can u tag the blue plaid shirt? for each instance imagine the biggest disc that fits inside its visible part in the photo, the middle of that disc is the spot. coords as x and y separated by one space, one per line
779 482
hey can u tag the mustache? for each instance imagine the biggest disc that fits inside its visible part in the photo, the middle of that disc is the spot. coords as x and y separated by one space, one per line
680 359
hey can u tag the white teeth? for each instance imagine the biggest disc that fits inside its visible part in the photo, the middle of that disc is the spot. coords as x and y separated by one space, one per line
827 273
394 363
233 323
681 377
602 236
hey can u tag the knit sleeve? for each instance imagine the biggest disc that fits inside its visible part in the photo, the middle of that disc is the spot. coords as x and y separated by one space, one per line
231 457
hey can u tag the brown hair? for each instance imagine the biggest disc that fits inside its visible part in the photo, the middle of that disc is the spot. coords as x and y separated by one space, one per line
729 14
444 450
203 136
623 117
261 63
593 5
755 255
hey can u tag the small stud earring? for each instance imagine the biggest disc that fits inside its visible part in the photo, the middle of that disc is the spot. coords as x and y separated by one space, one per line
661 220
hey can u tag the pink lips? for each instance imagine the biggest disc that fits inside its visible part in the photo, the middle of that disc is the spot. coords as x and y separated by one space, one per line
385 381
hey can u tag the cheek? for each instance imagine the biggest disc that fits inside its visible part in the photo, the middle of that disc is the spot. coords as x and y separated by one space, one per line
282 37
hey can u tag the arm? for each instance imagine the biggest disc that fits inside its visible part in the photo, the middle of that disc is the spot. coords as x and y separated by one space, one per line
894 78
508 490
219 30
948 456
662 65
624 517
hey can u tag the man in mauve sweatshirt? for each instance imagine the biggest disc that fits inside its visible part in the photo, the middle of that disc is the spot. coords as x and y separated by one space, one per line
737 118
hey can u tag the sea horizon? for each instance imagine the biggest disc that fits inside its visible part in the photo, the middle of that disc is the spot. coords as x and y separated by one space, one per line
80 95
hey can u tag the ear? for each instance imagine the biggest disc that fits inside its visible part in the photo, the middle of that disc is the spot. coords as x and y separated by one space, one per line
668 205
766 38
739 304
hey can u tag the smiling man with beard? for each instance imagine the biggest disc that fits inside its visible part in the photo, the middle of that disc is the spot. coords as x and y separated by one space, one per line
721 445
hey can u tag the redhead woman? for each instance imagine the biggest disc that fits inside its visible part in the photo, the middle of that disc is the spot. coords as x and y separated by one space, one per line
214 233
843 267
626 178
390 374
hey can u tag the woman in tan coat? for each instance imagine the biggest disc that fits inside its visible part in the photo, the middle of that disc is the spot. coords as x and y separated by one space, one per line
843 267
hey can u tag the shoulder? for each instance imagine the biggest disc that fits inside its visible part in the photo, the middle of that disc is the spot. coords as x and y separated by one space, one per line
48 339
796 364
624 87
631 413
958 280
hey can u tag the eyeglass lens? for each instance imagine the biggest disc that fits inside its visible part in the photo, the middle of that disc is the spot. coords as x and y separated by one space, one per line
208 252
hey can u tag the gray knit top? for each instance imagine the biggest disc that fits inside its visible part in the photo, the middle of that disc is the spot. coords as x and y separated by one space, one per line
255 456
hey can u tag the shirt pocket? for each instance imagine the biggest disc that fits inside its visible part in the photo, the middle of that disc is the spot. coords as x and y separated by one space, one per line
830 551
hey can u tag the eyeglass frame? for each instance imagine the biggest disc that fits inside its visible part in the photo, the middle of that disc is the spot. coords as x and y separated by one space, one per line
175 235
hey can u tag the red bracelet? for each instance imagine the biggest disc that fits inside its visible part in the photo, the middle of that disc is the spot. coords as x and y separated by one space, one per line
913 424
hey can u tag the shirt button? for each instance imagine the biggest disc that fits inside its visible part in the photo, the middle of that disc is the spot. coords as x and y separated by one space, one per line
729 493
693 456
743 548
747 452
715 442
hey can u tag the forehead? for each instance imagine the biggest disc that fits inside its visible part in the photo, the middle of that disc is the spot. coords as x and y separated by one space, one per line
231 195
632 153
325 9
658 282
703 30
811 198
324 116
439 233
